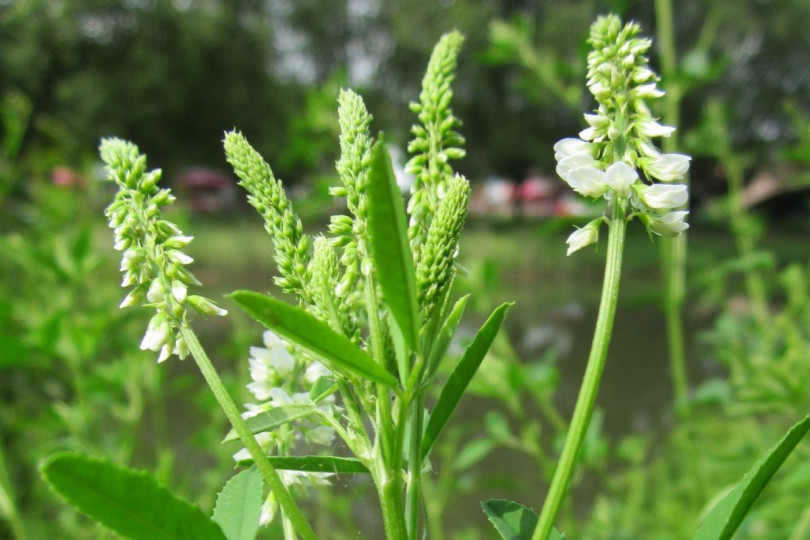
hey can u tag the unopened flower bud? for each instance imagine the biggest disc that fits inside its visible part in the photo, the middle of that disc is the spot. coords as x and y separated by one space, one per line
587 235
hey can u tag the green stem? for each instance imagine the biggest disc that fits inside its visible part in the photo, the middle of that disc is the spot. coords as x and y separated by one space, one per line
673 250
388 462
593 374
414 488
268 472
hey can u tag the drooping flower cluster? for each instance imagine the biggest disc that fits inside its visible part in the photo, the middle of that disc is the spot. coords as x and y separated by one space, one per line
152 261
606 159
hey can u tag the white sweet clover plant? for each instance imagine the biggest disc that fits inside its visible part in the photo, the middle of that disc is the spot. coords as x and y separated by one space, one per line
153 263
614 157
378 287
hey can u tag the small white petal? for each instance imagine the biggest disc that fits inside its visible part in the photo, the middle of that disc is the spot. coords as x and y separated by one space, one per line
671 224
588 134
620 176
648 91
581 238
668 167
654 129
587 181
665 196
179 291
568 164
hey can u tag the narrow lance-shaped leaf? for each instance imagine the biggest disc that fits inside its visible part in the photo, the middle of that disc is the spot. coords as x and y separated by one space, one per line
328 464
273 418
129 502
513 521
725 518
296 325
239 506
460 378
445 335
389 244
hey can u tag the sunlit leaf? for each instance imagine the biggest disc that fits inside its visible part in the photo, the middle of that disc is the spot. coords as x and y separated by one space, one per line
514 521
457 384
273 418
726 516
296 325
445 336
129 502
390 249
239 506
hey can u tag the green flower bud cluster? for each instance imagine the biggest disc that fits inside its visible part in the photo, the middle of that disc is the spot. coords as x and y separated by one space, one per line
152 260
267 196
435 140
353 169
326 272
434 266
606 159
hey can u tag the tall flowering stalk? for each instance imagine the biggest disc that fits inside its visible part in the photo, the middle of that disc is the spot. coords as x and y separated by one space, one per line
614 159
154 265
373 301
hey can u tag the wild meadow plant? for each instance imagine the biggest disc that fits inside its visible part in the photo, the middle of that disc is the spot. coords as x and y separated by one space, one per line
615 159
355 357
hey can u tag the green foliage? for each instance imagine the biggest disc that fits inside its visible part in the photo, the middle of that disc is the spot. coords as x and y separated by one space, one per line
239 506
317 464
389 244
726 516
274 418
129 502
512 520
456 385
312 335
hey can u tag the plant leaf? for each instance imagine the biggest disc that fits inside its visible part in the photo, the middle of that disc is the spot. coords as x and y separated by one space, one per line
726 516
239 506
390 248
129 502
514 521
275 417
328 464
296 325
445 336
462 375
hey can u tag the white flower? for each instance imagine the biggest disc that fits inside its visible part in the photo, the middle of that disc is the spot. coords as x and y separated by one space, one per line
597 121
620 176
587 181
322 435
589 134
587 235
268 510
315 371
652 128
671 224
648 91
664 196
179 291
572 147
668 167
157 333
568 164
